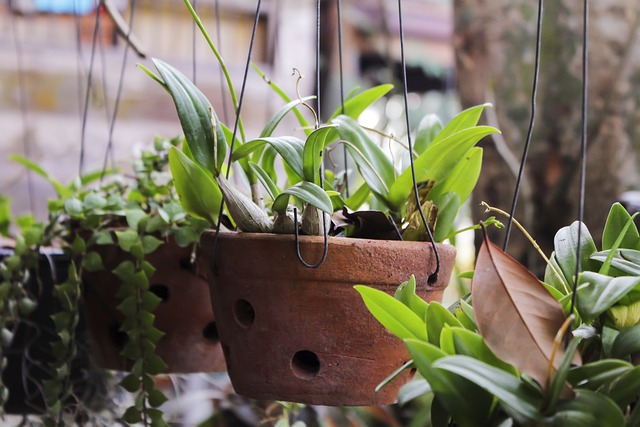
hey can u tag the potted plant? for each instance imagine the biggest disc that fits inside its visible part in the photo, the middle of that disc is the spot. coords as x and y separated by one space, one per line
323 350
133 267
525 352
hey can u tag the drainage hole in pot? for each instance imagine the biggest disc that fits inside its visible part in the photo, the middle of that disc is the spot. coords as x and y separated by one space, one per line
210 332
305 364
161 291
244 313
118 337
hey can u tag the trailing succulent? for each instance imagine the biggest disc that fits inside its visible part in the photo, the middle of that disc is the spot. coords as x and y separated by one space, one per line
446 163
514 352
137 214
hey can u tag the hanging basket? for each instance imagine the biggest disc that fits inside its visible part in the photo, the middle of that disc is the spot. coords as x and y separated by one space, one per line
304 335
190 343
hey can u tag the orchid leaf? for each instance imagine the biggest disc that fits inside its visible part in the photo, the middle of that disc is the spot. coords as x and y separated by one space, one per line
289 148
355 105
617 220
601 292
313 152
306 191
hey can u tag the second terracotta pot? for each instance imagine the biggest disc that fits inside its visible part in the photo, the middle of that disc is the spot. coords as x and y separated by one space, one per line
304 335
190 343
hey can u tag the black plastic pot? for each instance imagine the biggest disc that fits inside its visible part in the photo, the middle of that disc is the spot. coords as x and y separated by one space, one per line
29 354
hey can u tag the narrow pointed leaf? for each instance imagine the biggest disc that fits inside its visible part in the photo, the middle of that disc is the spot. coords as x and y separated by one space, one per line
515 314
280 114
355 105
627 342
289 148
392 314
265 179
463 120
313 152
589 409
430 126
309 193
617 219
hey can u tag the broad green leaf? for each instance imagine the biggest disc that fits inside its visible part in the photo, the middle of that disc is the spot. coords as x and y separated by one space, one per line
437 161
198 192
464 120
430 126
406 293
457 340
126 239
627 342
506 387
373 163
465 402
355 105
448 205
588 409
412 390
566 243
625 260
598 293
280 114
392 314
73 206
306 191
93 262
359 197
196 115
289 148
462 179
314 152
464 313
616 221
437 317
150 244
625 388
594 375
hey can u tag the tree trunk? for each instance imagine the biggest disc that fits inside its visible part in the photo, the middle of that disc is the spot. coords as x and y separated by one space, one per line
495 52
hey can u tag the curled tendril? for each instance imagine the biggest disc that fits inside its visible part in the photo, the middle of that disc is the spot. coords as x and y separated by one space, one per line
315 115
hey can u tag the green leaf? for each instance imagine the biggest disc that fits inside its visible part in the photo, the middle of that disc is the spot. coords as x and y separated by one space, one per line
132 416
462 179
195 113
306 191
506 387
150 244
271 125
456 340
412 390
265 180
430 126
354 106
156 398
448 205
199 194
566 243
93 201
155 365
129 306
289 148
406 293
125 271
617 219
392 314
626 388
437 161
150 301
594 375
74 207
464 120
627 342
134 216
126 239
359 197
601 292
374 165
437 317
131 383
588 409
62 191
93 262
558 382
313 153
465 402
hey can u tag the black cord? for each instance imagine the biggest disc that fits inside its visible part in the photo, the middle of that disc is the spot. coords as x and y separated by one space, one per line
344 146
235 129
534 109
434 276
583 158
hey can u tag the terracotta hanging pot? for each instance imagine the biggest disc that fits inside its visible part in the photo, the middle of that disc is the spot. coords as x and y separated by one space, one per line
304 335
190 343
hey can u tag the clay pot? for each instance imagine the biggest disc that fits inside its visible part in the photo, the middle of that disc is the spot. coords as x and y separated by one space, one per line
190 343
304 335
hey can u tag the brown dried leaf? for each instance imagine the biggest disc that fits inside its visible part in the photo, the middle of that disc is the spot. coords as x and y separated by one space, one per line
515 314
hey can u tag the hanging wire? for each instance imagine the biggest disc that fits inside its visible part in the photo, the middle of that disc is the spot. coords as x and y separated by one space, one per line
325 232
344 146
235 126
434 276
24 108
583 154
534 109
85 111
116 106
